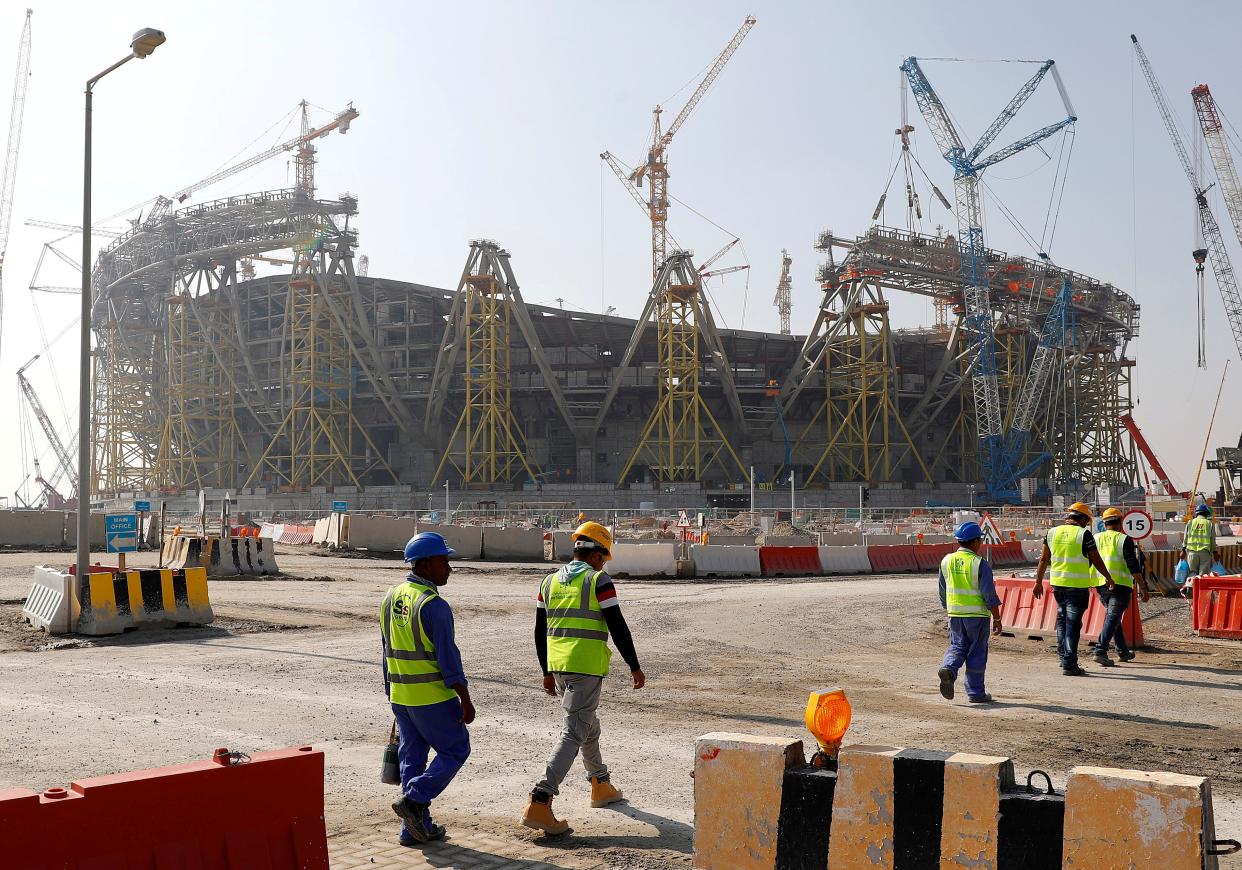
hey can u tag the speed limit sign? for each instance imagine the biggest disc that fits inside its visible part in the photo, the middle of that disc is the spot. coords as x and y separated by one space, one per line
1137 524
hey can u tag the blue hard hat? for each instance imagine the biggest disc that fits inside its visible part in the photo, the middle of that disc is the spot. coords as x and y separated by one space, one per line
424 545
1204 509
968 532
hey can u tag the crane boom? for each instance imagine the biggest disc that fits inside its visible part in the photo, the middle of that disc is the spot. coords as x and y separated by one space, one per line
1162 476
9 181
704 86
45 423
1230 189
784 294
995 457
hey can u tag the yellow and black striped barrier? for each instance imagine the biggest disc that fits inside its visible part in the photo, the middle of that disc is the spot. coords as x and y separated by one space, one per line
158 597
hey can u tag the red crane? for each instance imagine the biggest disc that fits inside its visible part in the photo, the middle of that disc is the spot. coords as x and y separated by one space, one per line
1162 476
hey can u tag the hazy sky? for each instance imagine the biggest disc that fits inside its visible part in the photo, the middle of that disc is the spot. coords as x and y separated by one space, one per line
486 119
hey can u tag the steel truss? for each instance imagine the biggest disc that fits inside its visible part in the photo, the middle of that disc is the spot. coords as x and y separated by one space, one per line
492 447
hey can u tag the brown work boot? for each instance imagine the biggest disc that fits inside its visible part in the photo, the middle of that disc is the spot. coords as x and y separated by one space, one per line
603 792
539 815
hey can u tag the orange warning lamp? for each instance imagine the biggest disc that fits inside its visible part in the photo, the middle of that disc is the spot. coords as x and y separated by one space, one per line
828 715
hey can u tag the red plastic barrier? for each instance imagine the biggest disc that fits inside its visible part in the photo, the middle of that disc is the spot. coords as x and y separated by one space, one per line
1007 555
1218 606
210 815
1025 616
789 561
892 558
928 556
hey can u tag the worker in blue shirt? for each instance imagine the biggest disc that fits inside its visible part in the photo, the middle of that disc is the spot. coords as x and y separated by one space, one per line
968 595
426 685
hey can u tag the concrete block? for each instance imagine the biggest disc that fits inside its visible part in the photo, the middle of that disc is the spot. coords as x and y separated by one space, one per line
96 526
862 810
385 534
51 603
1148 821
33 528
642 560
466 540
844 560
524 545
738 782
562 546
714 560
970 820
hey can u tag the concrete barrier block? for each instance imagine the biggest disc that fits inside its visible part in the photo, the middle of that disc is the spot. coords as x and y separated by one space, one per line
738 782
96 526
524 545
862 810
642 560
51 603
33 528
562 546
1032 550
844 560
466 540
970 820
732 540
388 534
1151 821
712 560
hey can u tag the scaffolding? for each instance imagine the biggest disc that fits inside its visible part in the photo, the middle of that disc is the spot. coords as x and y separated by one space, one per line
1095 446
127 414
682 438
864 436
486 445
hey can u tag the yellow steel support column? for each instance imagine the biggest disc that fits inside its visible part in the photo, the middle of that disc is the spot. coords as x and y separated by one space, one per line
127 423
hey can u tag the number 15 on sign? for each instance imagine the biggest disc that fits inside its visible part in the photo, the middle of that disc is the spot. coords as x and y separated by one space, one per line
1137 524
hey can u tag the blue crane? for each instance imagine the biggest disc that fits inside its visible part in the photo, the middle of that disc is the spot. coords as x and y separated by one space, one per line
995 458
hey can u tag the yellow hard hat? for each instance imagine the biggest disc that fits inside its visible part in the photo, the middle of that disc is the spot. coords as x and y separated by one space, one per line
1079 508
1112 514
596 533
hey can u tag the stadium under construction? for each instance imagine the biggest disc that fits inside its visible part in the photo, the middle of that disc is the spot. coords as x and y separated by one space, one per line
323 378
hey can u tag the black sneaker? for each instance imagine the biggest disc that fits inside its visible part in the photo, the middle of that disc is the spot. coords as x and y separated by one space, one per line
985 698
435 832
946 682
415 817
1072 671
1127 656
1102 659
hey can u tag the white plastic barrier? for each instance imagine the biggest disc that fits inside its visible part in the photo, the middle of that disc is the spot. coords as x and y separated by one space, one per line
320 535
262 555
524 545
642 560
725 560
51 604
1032 550
844 560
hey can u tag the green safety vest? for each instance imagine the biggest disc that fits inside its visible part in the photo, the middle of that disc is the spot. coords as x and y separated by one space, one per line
1199 534
577 633
1069 566
1112 550
962 595
414 678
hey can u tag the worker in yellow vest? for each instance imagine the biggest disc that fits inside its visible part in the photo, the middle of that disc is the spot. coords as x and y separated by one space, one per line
1070 552
426 685
1125 563
968 595
576 611
1199 542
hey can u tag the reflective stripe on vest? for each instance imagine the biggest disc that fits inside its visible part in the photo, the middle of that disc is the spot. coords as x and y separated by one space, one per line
1112 550
1199 534
577 633
1069 566
414 678
962 595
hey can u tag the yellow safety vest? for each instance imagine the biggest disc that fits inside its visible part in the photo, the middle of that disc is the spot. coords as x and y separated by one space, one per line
414 678
1112 550
1199 535
577 633
1069 566
962 595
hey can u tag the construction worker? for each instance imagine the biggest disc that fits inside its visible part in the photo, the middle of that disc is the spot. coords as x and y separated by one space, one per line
1071 552
1125 563
968 595
1199 541
426 685
575 612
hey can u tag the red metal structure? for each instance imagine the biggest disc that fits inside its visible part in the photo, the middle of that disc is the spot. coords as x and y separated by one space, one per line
1162 476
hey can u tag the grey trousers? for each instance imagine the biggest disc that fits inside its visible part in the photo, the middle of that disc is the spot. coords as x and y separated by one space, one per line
1200 561
580 698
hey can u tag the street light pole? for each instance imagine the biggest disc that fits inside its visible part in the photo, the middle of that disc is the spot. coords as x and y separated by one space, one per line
144 42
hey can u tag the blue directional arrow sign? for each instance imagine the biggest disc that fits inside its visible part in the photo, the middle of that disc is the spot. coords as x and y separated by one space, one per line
121 532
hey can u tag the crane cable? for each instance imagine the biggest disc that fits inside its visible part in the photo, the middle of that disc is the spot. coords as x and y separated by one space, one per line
1211 422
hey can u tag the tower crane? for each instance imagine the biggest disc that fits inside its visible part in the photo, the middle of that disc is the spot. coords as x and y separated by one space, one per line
1230 190
1215 251
58 447
998 473
784 294
9 180
655 168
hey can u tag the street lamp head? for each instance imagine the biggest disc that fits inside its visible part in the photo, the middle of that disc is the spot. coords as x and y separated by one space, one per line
146 41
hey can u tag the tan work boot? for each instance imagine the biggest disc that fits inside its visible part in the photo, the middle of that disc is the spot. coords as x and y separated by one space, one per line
603 792
539 815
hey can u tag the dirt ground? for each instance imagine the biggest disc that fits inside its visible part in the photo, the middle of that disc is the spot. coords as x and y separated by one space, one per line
295 660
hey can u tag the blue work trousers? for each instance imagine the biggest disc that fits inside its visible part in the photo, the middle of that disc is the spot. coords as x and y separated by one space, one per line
1115 602
1072 603
968 645
432 726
